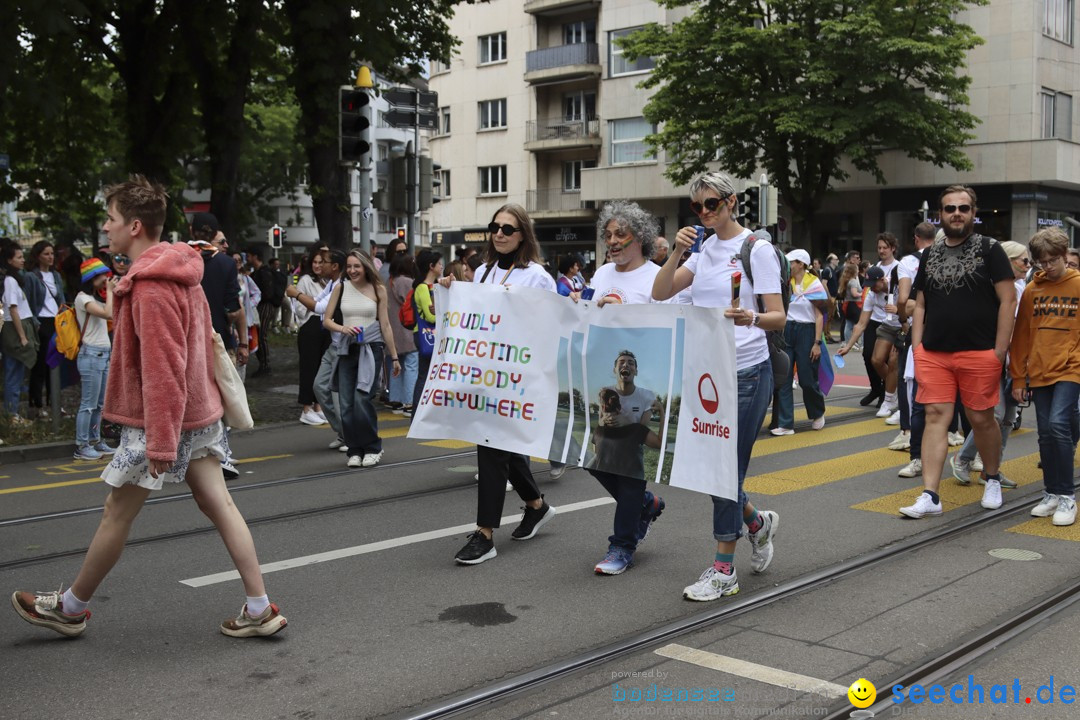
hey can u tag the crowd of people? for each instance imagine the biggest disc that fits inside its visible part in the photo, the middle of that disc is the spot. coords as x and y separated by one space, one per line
936 325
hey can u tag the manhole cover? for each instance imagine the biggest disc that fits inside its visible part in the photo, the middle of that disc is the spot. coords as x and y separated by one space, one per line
1015 554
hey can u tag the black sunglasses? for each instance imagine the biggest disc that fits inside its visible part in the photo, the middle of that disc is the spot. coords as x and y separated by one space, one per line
710 204
507 230
121 259
950 209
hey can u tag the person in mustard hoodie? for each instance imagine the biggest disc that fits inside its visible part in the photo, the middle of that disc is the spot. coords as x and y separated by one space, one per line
1045 366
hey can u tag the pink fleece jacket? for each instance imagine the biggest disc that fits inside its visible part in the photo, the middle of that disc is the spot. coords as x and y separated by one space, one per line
161 377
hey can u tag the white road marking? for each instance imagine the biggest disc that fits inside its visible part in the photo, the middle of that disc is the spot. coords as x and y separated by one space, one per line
752 671
377 546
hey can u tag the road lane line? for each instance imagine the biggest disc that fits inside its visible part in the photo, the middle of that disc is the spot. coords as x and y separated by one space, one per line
50 486
752 671
378 546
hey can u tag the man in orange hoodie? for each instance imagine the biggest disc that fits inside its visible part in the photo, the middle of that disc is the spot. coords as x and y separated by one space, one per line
1045 366
161 390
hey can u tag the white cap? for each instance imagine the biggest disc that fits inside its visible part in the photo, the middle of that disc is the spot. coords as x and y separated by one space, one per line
800 255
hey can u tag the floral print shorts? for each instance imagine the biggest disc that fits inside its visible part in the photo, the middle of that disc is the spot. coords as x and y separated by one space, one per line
130 466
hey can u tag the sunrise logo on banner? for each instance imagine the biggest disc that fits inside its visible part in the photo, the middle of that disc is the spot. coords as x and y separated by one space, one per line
640 391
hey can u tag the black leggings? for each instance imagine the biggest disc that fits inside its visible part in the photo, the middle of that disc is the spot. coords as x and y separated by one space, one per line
312 341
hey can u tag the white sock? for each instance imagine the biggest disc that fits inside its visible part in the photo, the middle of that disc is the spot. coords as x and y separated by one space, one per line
890 397
71 604
257 605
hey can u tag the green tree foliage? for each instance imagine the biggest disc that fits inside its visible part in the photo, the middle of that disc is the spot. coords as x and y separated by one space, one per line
796 86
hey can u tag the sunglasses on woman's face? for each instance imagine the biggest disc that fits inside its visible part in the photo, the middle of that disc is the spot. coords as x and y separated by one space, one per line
507 230
710 204
121 259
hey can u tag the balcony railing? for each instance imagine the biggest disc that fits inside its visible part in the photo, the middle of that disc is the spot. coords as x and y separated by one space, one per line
560 129
562 56
547 200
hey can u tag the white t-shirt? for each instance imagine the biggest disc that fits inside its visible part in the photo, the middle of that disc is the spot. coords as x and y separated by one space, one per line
14 295
532 276
713 268
909 268
875 303
631 288
96 332
49 308
637 406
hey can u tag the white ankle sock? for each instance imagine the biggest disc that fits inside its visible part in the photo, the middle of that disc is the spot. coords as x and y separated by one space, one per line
890 398
71 604
257 605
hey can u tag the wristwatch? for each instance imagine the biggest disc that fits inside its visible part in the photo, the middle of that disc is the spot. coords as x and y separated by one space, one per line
756 320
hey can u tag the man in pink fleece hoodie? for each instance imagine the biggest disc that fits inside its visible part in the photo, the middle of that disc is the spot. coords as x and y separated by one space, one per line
161 390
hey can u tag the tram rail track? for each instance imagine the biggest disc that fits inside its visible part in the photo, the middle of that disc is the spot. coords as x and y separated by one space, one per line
523 683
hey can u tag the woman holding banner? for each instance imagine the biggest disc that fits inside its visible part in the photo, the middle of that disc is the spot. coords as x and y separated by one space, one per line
758 308
512 257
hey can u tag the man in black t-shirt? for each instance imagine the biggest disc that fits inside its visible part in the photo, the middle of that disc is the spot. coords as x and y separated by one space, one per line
961 331
264 279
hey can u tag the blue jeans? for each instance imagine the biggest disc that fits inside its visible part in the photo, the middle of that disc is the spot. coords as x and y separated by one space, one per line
800 338
401 387
755 390
359 420
630 499
14 374
93 364
1059 429
324 388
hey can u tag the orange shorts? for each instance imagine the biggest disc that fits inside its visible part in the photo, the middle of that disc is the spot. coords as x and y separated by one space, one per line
976 374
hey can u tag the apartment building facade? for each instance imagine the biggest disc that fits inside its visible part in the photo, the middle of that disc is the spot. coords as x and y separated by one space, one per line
540 108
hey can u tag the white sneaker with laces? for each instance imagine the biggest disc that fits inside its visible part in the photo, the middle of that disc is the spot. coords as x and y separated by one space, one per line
355 461
1046 506
818 423
372 459
778 431
977 463
322 417
956 439
712 585
309 417
991 499
336 444
1066 511
887 408
762 541
902 441
923 506
912 469
893 419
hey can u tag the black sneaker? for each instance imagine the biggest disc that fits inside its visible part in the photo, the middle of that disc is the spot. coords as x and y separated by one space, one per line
532 521
476 551
870 397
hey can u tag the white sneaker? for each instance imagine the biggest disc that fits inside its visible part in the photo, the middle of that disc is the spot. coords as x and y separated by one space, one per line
887 408
355 461
893 419
819 423
956 439
372 459
761 541
1066 511
343 448
977 464
1046 506
322 417
778 431
509 485
712 585
923 506
558 469
902 441
310 417
991 499
338 443
912 469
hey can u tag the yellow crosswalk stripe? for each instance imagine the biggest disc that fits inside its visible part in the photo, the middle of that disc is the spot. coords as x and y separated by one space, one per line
953 495
1043 527
772 445
830 414
451 444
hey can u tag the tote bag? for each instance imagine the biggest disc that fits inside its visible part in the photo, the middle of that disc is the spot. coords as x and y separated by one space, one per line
233 395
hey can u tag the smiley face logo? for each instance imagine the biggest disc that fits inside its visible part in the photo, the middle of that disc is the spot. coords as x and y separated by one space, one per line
862 693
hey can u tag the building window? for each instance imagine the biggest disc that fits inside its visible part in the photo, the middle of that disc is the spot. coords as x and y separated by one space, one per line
1056 115
444 121
628 140
579 106
444 183
572 173
1058 20
617 64
492 114
583 31
493 180
438 66
492 48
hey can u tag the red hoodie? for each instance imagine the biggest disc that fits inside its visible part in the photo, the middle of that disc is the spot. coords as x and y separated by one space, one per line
161 376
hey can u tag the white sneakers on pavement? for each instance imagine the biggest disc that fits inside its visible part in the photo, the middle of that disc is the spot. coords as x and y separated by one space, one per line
902 441
778 431
310 417
893 419
887 408
818 423
912 469
1066 511
991 499
924 505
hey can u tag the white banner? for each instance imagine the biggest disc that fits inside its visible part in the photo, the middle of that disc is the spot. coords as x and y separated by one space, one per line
644 391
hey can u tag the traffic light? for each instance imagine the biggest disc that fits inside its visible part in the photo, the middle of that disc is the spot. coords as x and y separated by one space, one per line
354 130
751 206
401 235
277 235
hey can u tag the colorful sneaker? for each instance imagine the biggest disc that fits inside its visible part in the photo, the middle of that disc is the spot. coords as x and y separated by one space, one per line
1066 511
654 506
991 499
105 449
270 622
961 469
923 506
615 562
532 520
1047 506
86 453
46 610
762 541
912 469
712 585
477 550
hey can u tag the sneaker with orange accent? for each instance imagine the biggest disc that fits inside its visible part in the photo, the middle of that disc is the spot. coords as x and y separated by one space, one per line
245 625
46 610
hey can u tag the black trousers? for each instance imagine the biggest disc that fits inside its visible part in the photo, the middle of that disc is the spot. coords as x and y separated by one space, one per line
266 315
496 467
39 375
312 341
869 338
